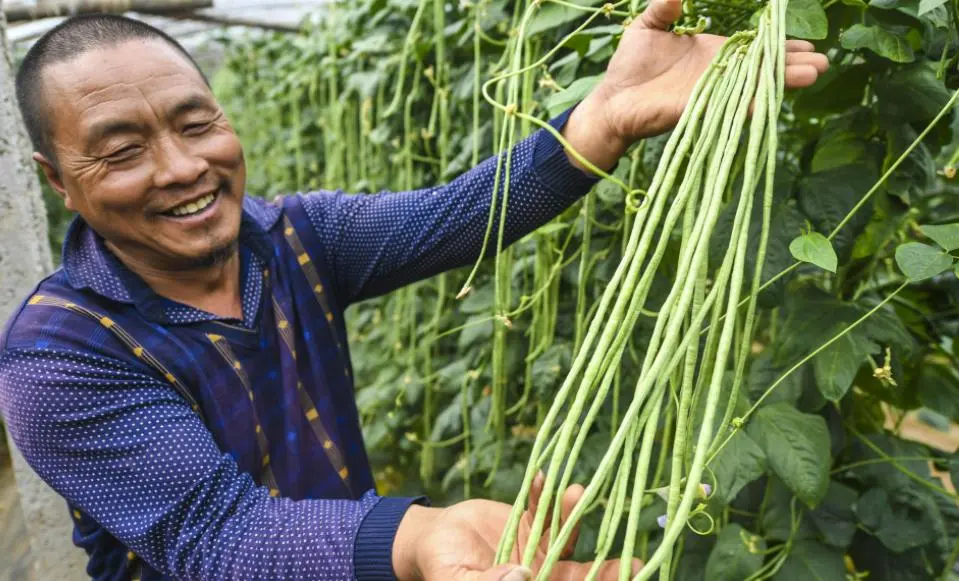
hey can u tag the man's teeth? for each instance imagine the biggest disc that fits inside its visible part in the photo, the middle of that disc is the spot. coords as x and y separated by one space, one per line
193 207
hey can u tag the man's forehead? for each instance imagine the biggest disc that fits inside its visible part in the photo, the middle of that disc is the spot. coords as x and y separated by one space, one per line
109 73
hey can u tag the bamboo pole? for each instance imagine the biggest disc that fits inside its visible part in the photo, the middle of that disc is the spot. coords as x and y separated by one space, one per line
52 8
227 20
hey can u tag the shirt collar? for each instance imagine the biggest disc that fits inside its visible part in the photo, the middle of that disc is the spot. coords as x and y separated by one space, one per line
89 264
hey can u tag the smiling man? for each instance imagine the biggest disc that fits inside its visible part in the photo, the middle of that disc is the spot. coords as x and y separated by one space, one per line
184 379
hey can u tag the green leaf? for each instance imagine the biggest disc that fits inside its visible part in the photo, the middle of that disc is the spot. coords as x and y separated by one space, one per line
781 514
797 449
899 526
551 16
913 93
763 372
815 317
448 422
929 5
938 385
835 517
478 328
878 40
816 249
738 464
834 374
736 556
946 235
827 196
559 102
806 19
839 89
811 561
919 261
695 554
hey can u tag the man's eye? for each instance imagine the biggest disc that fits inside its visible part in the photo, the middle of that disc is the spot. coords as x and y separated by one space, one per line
124 153
196 128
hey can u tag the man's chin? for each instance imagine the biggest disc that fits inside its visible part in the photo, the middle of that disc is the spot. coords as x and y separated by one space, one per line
214 257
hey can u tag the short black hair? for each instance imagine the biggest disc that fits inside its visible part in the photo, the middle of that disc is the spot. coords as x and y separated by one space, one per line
68 40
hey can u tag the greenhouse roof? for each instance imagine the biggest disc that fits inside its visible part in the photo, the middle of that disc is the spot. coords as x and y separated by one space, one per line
269 14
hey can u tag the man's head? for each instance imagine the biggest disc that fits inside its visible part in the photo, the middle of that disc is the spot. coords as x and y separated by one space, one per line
128 132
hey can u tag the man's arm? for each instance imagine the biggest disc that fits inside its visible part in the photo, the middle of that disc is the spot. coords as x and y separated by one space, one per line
126 449
376 243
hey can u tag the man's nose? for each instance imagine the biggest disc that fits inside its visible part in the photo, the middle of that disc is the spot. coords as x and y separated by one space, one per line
176 164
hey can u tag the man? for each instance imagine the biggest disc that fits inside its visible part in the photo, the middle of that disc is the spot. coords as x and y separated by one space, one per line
184 379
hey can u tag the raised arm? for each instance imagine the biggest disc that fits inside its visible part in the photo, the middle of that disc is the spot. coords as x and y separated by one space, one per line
126 449
376 243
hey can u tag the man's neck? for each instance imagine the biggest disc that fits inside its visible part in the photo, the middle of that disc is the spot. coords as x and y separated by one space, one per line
214 289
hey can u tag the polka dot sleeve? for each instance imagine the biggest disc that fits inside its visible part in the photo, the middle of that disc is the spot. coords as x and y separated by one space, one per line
127 450
377 243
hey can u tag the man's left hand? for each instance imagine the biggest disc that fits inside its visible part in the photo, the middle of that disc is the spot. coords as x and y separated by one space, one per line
649 81
459 543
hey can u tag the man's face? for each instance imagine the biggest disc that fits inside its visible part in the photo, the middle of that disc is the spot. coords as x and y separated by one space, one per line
146 155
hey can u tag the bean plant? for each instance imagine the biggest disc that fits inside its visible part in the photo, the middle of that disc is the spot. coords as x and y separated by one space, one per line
720 341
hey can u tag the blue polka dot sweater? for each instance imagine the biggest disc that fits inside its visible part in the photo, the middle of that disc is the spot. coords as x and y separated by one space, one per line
190 446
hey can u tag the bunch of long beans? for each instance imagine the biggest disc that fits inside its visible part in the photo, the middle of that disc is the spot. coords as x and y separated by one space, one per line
686 359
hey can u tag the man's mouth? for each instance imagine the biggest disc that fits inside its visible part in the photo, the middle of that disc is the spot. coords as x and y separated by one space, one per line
194 207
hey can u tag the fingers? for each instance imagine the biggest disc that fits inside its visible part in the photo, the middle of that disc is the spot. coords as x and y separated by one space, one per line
505 573
570 499
535 493
799 46
660 14
610 569
817 60
800 76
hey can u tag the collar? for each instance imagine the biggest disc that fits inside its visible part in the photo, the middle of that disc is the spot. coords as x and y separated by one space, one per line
89 264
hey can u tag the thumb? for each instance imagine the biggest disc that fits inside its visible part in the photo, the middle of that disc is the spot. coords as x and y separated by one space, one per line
659 14
506 573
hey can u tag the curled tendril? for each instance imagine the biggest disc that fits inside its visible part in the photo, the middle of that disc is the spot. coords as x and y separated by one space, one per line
701 510
701 24
635 200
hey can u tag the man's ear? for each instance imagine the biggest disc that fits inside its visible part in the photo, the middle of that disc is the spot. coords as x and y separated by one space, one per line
53 178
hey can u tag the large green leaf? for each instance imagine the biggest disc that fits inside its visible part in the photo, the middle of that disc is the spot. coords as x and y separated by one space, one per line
826 197
837 90
945 235
815 317
900 526
816 249
740 462
919 261
880 41
692 561
835 517
736 556
938 384
917 173
912 93
811 561
806 19
764 371
796 446
836 366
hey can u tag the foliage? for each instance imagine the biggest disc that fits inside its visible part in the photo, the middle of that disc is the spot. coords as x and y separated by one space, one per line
814 487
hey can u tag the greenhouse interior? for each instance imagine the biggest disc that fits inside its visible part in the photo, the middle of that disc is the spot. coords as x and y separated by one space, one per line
487 290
